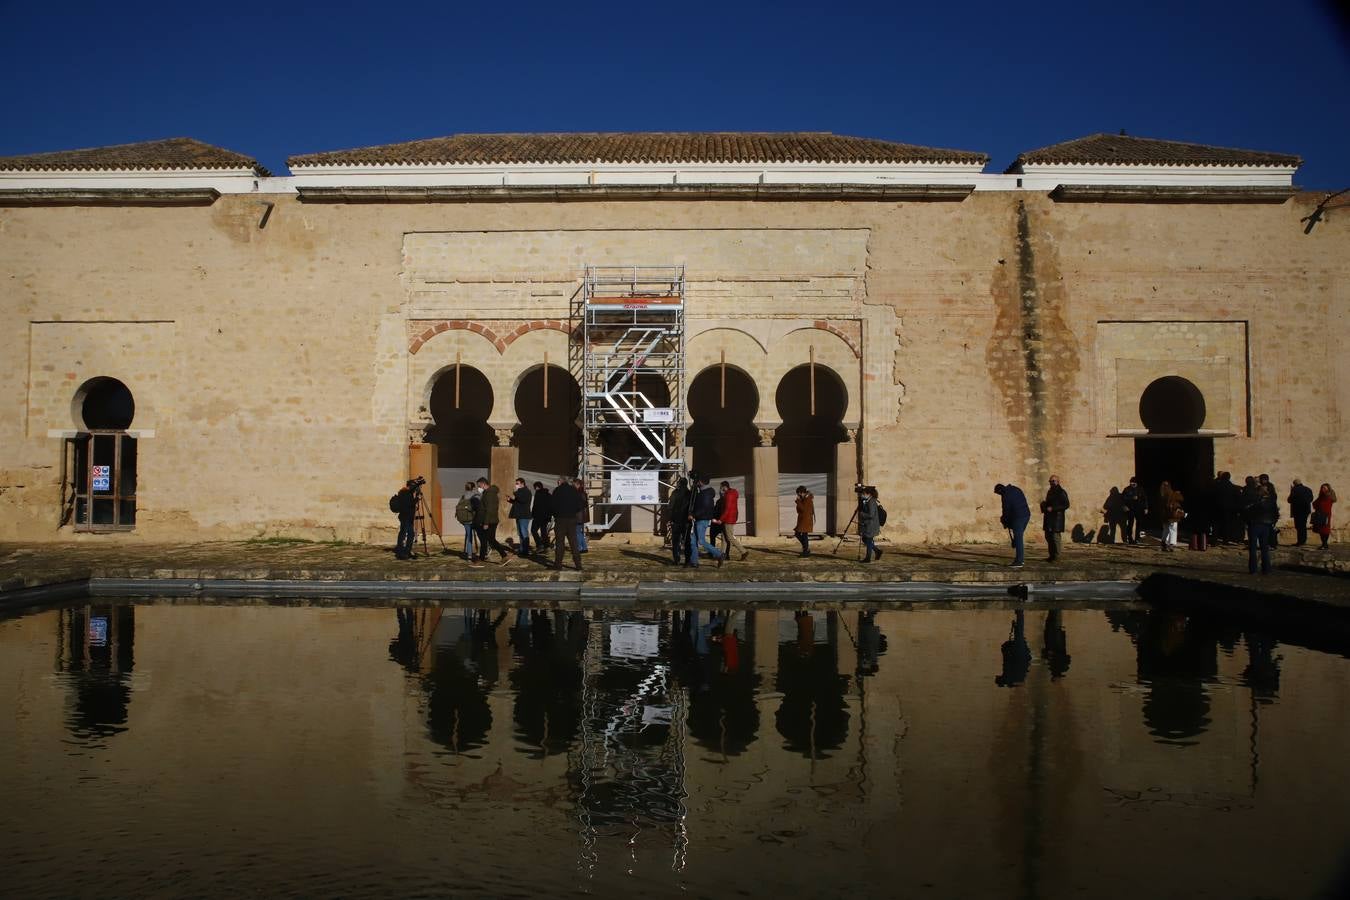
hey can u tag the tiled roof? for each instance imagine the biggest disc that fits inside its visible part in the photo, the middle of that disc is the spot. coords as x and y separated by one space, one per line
1122 149
171 153
640 147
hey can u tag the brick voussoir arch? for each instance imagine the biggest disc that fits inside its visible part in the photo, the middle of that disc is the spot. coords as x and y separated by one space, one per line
851 340
536 325
500 341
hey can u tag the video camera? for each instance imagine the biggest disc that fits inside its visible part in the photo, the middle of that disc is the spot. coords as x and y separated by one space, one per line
416 483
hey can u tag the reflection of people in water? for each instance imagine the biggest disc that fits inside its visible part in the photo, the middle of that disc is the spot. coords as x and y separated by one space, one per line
1055 651
731 652
871 643
812 717
548 679
1016 654
706 658
1262 673
806 632
458 716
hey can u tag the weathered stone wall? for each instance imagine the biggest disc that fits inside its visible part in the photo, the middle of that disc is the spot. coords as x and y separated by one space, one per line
278 370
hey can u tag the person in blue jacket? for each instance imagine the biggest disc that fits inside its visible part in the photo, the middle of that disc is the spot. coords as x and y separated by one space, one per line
1015 516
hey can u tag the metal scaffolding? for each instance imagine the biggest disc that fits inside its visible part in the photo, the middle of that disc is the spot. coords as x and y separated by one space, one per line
628 357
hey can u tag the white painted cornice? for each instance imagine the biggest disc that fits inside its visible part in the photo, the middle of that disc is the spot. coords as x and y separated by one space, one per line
1045 176
224 181
577 178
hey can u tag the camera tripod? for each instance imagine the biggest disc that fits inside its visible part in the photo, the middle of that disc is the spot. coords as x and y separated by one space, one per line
422 512
843 532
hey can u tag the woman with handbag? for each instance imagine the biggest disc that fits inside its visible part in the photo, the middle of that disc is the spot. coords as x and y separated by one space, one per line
1321 513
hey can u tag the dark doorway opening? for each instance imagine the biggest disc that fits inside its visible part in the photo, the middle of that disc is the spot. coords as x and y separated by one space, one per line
1187 463
460 429
548 435
1173 410
810 434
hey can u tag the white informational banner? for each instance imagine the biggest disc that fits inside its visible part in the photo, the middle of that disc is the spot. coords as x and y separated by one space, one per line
658 414
634 487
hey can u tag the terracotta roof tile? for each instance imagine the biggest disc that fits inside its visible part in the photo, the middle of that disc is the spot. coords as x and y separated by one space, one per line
171 153
1122 149
640 147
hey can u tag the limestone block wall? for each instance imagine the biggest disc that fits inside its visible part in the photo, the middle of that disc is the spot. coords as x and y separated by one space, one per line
282 366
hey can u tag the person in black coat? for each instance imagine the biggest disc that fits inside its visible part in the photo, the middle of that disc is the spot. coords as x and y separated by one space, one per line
701 512
541 512
568 503
677 513
1300 508
1229 498
1015 516
1052 516
1135 500
520 511
1262 511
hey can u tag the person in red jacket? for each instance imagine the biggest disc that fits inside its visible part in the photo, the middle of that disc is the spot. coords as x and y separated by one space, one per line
727 513
1321 513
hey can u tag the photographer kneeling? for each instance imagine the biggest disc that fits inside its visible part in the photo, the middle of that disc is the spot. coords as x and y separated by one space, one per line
404 503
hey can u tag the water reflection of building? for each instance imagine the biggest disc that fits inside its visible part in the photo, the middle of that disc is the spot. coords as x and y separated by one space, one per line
1044 782
625 699
97 656
547 678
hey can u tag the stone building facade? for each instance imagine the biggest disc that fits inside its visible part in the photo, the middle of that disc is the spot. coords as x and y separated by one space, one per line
239 354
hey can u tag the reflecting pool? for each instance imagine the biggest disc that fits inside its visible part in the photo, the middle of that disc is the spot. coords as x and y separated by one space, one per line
162 749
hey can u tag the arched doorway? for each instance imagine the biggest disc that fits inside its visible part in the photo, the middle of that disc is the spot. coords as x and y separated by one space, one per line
1173 410
548 405
460 403
723 402
100 460
812 401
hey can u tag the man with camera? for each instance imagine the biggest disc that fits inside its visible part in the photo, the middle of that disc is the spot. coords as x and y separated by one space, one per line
869 519
404 505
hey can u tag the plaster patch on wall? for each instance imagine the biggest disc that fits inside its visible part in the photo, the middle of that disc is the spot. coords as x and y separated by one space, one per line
902 343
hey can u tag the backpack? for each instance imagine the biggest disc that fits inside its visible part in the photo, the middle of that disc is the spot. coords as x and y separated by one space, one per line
393 503
881 514
464 511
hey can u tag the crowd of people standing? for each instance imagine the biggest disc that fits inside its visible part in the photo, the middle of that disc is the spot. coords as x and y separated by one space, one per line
701 519
1219 513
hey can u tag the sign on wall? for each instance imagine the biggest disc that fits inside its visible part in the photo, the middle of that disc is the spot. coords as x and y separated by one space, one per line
658 414
634 487
102 476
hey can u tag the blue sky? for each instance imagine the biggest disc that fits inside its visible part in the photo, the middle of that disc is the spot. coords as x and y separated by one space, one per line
273 80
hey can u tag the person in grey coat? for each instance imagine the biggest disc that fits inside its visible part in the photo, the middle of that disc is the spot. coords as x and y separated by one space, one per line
869 522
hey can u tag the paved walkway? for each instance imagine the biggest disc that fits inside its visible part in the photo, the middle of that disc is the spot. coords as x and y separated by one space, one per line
1306 573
